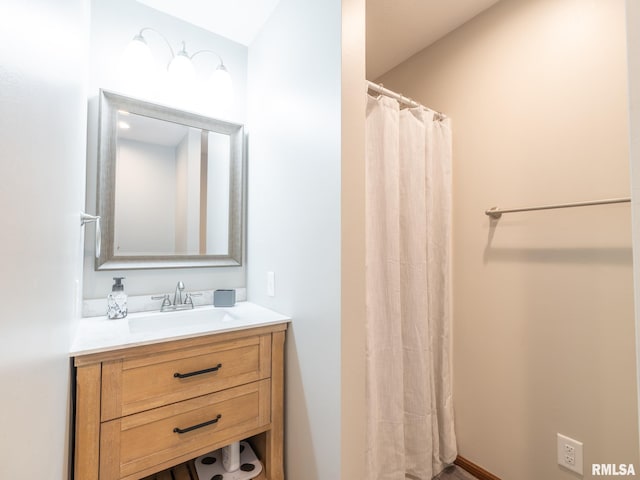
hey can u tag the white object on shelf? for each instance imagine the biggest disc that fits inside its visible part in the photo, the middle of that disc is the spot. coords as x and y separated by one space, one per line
210 464
231 457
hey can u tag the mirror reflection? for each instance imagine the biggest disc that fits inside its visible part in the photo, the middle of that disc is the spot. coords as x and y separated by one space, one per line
170 187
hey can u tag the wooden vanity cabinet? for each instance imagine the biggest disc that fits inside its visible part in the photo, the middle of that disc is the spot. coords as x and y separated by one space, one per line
140 410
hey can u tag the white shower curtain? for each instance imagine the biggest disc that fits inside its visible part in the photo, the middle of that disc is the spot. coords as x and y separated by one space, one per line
410 431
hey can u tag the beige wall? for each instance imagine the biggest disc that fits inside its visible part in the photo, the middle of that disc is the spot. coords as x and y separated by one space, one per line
633 57
544 337
352 293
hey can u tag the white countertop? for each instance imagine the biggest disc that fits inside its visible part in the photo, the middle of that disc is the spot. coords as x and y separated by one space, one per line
99 334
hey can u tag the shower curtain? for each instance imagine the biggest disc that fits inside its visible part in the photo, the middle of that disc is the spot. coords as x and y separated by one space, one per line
410 432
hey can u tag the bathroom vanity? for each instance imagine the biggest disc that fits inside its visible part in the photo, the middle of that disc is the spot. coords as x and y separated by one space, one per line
150 398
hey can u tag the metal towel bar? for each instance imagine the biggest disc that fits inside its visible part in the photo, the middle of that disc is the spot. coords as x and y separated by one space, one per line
86 218
496 212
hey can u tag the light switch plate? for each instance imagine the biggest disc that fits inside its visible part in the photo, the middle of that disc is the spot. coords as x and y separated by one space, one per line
271 284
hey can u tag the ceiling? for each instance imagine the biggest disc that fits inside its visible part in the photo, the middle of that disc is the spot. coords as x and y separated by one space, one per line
237 20
398 29
150 130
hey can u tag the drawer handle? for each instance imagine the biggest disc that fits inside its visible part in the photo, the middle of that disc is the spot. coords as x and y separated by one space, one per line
199 372
195 427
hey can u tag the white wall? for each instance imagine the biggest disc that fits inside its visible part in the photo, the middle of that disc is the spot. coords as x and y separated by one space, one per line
145 200
113 25
294 217
187 217
43 59
182 183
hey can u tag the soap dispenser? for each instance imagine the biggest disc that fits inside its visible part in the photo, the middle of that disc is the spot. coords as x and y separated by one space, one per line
117 300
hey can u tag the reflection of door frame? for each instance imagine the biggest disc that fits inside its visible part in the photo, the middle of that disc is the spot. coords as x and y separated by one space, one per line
204 175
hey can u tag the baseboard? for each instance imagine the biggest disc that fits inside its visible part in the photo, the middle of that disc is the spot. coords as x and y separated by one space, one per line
478 472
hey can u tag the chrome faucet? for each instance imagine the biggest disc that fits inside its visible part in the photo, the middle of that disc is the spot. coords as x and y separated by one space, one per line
178 302
177 295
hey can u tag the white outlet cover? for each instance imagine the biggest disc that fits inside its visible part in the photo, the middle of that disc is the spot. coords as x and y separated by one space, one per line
563 451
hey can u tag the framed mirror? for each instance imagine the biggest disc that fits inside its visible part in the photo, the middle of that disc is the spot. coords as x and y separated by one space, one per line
170 187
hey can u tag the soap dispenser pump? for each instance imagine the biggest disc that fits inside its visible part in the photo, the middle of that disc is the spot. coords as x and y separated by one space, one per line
117 300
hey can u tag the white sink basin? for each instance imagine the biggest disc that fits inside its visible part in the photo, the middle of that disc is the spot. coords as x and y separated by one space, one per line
184 319
99 334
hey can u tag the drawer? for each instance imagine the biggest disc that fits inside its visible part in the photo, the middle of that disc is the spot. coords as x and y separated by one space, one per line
174 433
136 384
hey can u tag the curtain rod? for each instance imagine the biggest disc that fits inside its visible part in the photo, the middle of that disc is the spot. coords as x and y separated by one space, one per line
496 212
400 98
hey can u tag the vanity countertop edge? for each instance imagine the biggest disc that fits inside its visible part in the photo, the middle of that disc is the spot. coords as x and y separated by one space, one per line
95 335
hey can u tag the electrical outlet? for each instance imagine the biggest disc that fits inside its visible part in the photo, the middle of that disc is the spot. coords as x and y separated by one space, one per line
570 453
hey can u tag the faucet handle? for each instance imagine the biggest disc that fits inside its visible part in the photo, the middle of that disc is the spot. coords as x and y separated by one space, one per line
166 302
188 300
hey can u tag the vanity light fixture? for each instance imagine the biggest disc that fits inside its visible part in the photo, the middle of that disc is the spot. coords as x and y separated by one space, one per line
180 69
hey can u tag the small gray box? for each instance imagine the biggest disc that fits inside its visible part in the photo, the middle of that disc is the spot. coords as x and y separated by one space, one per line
224 298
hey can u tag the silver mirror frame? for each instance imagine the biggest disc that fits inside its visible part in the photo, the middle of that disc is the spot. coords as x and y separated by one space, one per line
110 103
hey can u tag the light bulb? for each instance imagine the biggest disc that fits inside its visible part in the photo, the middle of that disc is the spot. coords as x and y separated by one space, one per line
222 87
136 59
181 71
